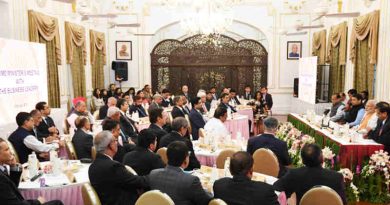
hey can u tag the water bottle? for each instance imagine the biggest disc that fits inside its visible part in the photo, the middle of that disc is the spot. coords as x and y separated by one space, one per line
227 167
214 174
53 155
32 165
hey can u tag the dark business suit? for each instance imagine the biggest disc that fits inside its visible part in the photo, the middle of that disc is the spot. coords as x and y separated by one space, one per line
154 106
122 150
208 105
138 108
128 128
197 122
167 103
159 132
43 128
143 161
83 143
177 112
113 183
103 112
236 101
9 193
240 190
187 96
183 188
227 106
381 134
175 136
277 146
268 100
302 179
248 96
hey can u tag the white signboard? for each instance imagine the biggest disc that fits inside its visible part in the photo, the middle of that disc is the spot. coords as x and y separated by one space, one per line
23 78
307 79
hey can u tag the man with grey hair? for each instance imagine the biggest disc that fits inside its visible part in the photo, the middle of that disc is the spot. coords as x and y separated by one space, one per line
113 183
202 95
125 142
370 119
269 141
111 102
157 100
178 133
80 109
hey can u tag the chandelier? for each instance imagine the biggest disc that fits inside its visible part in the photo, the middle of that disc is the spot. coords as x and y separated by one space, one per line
205 17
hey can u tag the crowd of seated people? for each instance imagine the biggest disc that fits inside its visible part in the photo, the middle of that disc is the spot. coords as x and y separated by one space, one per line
120 143
363 114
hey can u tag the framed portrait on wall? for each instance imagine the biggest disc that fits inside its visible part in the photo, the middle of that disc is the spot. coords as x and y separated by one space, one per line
123 50
294 50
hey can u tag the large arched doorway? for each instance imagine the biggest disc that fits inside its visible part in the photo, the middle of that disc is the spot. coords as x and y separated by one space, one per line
230 63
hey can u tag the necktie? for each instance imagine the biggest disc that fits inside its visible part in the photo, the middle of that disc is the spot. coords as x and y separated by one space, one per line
381 130
141 112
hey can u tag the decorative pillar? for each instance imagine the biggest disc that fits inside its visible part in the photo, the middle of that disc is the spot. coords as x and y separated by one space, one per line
382 83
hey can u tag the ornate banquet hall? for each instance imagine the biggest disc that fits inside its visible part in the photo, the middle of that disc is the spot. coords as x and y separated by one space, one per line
162 102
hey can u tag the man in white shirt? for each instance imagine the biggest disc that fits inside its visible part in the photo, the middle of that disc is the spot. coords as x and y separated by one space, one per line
336 111
215 126
25 142
80 110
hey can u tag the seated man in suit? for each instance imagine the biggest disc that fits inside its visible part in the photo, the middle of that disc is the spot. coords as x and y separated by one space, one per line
25 142
124 147
157 100
356 112
266 98
213 92
80 109
10 173
178 110
240 189
183 188
269 141
336 111
381 134
248 94
203 99
111 102
167 101
196 118
184 92
83 138
143 159
137 107
302 179
186 105
209 99
128 126
225 98
46 129
113 183
234 98
178 133
158 119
